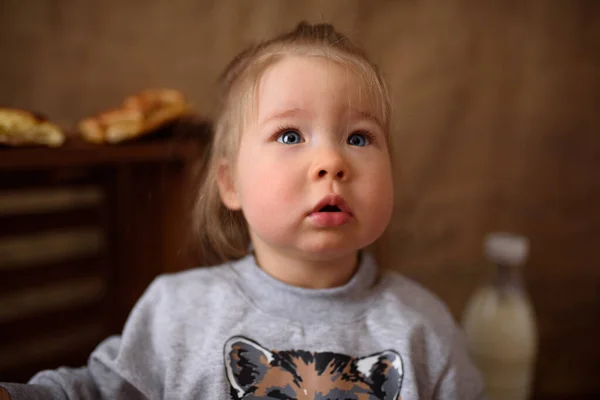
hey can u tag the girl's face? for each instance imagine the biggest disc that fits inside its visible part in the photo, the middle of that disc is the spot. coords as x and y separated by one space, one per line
313 174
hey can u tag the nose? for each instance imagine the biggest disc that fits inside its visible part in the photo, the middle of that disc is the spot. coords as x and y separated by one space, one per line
330 164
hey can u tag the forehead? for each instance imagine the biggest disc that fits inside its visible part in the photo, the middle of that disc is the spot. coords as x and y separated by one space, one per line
314 83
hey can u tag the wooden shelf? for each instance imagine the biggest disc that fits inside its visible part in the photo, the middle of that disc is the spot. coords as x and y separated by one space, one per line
189 142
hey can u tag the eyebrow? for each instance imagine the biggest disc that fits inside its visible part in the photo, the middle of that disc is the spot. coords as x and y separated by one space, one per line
366 115
295 111
284 114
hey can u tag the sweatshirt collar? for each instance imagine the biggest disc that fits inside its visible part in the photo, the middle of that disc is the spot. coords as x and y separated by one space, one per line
338 304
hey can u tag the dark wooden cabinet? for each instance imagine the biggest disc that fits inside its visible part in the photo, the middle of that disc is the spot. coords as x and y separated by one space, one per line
83 230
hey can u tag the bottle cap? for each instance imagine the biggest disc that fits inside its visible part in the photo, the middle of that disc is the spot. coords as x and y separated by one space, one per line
506 248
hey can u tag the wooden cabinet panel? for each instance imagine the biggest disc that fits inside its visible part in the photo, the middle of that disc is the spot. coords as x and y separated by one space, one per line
83 231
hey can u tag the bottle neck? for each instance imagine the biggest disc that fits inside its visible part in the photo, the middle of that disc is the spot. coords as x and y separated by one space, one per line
508 278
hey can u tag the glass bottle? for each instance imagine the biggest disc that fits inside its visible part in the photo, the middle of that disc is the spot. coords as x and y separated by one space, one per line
499 322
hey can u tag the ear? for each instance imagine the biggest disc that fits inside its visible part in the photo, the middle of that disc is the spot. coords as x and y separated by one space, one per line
227 190
246 363
384 372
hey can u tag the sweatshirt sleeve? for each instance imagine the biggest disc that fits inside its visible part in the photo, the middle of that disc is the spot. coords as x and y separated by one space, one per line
129 366
460 379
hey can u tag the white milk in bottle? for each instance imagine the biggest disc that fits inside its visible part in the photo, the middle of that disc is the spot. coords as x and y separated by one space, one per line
499 322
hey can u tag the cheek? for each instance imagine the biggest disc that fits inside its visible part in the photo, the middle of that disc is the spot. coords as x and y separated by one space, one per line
267 191
379 194
269 184
382 198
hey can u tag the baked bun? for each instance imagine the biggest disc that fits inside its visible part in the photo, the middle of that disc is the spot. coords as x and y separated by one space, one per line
139 115
24 128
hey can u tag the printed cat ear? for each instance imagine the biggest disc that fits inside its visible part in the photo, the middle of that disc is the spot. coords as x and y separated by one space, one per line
246 362
384 372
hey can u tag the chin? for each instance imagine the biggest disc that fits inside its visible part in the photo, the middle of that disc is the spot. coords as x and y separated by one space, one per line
328 256
329 251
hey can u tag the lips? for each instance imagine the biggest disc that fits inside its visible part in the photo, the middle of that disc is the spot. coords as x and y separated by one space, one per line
331 211
332 203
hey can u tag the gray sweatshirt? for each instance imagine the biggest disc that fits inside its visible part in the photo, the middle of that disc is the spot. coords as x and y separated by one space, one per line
234 332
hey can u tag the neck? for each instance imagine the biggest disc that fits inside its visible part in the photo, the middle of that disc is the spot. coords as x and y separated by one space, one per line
307 272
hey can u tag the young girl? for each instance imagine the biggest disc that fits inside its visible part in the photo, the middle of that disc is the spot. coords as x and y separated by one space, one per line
299 183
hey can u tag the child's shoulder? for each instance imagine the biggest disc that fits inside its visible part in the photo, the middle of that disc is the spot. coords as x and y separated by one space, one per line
417 303
195 282
204 275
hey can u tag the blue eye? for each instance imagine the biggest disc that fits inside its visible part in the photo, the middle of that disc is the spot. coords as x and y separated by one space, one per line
289 137
358 139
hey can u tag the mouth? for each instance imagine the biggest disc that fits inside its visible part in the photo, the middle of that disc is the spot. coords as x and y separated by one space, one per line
333 203
331 212
330 209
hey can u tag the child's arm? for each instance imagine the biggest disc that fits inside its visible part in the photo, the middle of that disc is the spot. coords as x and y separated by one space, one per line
460 378
122 367
63 383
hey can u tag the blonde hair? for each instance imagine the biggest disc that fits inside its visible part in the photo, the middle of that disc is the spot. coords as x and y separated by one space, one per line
222 233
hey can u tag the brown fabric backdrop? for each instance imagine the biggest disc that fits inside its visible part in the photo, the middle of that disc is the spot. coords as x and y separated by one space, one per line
494 126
